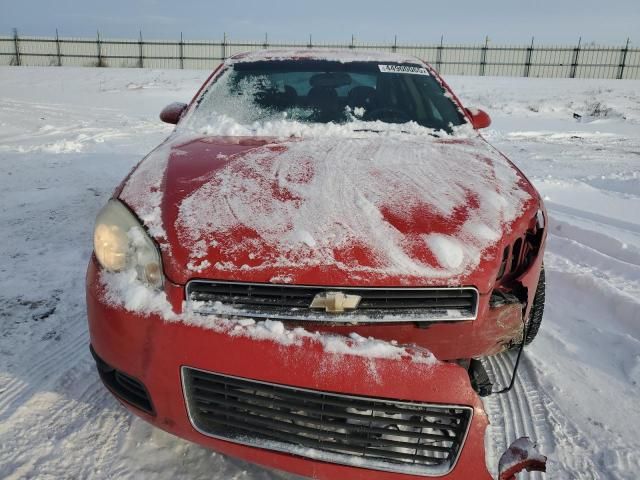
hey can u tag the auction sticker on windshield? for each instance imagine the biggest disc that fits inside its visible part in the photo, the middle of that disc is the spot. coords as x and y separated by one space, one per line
403 69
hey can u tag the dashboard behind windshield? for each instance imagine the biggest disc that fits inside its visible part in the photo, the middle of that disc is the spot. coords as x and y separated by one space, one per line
324 92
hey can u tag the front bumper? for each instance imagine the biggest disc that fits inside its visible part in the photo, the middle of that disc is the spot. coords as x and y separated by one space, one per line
153 351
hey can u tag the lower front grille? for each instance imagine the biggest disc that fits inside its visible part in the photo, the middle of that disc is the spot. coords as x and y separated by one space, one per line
378 434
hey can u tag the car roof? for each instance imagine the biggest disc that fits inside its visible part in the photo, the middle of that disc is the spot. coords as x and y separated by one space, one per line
327 54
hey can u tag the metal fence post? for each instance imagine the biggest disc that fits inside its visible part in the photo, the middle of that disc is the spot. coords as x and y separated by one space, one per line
439 55
266 40
140 47
181 52
310 42
99 49
623 60
352 40
527 61
16 45
58 49
395 43
483 56
574 65
224 47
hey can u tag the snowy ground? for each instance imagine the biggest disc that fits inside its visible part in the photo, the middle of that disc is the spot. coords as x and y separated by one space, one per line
68 136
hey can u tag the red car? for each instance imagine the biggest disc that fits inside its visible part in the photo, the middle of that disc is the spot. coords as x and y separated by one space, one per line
305 273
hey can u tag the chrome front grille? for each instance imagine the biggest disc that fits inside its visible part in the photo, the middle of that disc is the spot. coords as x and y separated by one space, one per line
293 302
379 434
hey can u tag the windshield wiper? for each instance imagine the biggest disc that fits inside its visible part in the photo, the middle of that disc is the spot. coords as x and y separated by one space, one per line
366 130
399 131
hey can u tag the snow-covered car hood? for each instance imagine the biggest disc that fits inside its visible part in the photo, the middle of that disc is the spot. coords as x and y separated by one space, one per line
369 210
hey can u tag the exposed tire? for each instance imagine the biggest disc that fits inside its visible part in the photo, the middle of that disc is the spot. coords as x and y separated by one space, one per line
537 309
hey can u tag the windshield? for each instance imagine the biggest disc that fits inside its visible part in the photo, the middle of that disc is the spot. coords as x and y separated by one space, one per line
316 91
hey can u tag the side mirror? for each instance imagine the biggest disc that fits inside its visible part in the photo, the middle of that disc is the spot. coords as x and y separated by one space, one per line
479 118
172 112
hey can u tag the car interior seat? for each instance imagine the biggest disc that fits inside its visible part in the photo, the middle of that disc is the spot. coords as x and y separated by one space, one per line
363 97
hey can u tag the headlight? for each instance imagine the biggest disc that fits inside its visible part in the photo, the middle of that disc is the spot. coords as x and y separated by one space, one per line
121 243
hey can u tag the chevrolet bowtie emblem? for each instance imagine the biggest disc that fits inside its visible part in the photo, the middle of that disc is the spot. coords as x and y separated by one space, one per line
335 302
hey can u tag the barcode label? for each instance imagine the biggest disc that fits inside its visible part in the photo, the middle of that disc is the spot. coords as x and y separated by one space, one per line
403 69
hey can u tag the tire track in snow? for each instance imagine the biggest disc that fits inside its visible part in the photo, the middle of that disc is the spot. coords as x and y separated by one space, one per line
75 416
600 247
594 217
528 411
43 369
516 413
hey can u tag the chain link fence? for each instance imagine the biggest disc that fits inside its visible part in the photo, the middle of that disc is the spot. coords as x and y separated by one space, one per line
578 61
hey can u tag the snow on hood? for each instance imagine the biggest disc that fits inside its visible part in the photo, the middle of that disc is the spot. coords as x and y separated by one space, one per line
309 197
387 205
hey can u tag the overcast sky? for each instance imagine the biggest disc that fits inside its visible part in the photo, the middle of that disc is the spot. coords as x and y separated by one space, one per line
504 21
